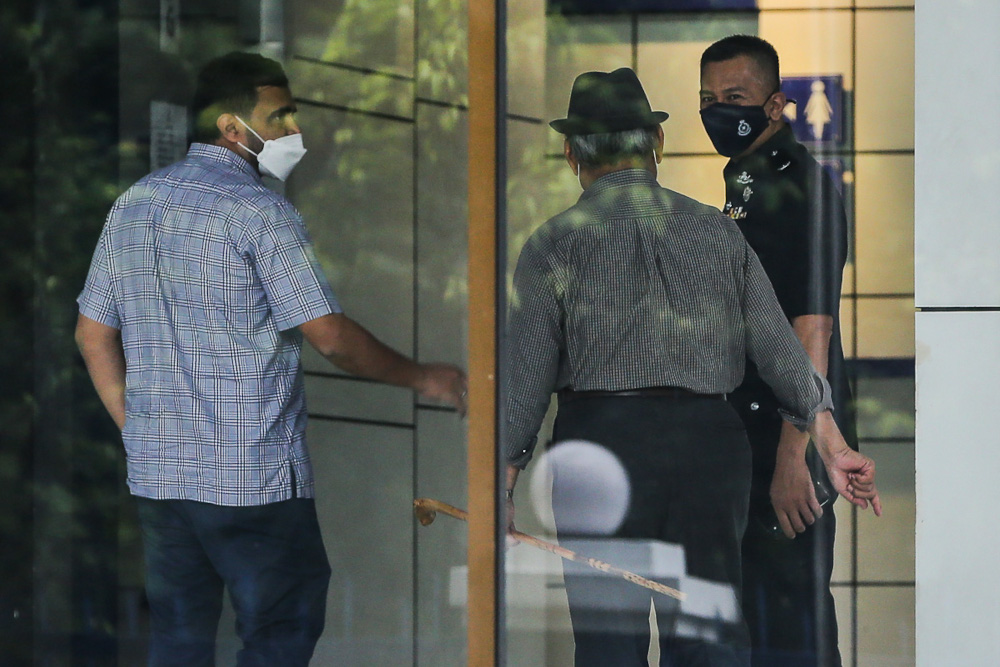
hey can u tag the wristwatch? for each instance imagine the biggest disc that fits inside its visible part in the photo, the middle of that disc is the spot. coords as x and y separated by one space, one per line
510 494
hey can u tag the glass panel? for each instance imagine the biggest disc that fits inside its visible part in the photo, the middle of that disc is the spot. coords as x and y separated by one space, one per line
844 598
368 531
803 4
326 84
885 328
526 51
811 43
893 532
874 4
103 93
817 41
442 254
884 118
442 51
885 224
886 627
356 189
441 552
97 99
369 34
885 398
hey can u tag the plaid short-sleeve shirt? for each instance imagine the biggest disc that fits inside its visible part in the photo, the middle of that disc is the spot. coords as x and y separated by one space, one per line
207 274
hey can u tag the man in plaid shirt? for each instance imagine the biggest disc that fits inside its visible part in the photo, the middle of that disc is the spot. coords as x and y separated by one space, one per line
200 291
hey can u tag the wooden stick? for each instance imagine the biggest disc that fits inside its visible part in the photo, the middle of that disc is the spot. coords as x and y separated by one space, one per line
426 510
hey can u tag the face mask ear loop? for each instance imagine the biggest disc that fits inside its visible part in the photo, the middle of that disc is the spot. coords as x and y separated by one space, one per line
247 148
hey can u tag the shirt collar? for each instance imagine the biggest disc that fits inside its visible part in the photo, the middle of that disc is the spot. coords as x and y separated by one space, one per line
783 138
224 157
617 179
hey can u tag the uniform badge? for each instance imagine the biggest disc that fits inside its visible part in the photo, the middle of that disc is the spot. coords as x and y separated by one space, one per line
734 212
747 193
744 179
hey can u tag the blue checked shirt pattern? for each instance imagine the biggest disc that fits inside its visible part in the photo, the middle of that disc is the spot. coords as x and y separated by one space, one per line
207 273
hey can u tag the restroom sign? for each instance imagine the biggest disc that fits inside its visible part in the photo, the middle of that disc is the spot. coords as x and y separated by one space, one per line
817 116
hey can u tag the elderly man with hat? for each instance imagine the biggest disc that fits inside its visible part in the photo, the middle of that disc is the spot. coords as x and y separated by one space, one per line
638 306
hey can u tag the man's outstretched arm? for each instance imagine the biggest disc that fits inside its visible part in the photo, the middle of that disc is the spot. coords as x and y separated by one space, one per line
351 347
101 347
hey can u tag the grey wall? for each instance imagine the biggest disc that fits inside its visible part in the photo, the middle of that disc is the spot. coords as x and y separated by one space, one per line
958 358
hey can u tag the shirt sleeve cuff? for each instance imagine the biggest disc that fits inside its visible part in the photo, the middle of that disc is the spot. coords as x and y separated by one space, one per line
520 456
103 316
825 403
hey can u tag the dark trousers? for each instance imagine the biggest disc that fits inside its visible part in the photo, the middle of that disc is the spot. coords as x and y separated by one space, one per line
270 557
787 602
688 465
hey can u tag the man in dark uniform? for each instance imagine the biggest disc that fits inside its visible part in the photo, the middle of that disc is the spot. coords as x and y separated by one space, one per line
792 216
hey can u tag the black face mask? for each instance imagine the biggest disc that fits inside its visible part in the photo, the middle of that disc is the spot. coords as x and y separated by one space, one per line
733 128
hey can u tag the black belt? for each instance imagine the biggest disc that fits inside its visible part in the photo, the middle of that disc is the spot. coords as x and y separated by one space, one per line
645 392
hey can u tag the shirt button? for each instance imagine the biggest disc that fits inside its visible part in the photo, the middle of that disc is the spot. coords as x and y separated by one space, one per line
755 406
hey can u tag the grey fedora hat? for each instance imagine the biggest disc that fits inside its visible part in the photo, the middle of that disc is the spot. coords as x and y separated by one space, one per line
607 102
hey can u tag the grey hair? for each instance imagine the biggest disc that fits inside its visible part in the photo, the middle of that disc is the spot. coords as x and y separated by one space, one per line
595 150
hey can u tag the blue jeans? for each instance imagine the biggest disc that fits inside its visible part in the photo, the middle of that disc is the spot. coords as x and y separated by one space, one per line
270 557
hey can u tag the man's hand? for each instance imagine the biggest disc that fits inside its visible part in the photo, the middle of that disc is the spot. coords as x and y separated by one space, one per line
351 347
853 476
852 473
793 495
444 382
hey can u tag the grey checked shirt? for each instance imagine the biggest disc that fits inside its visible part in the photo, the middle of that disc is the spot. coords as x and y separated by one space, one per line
207 273
638 286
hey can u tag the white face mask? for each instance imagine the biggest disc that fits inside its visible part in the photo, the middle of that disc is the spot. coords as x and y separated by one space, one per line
278 156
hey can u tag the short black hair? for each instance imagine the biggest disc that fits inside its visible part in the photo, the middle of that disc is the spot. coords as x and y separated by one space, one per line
228 84
754 47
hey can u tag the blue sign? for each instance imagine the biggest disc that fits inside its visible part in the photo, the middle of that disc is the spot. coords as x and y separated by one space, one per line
817 117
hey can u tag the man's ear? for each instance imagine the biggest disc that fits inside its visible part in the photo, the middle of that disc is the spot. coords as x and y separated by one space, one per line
775 106
570 158
229 128
658 152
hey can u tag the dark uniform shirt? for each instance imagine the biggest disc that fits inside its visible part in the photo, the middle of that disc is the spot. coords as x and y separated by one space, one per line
638 286
792 215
